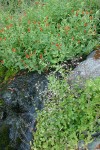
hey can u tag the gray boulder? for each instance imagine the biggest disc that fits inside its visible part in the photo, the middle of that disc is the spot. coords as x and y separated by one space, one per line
89 68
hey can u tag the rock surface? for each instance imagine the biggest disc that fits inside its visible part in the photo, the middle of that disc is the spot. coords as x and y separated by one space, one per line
22 97
94 145
89 68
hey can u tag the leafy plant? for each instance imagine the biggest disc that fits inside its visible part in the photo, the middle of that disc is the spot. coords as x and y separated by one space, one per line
68 116
47 33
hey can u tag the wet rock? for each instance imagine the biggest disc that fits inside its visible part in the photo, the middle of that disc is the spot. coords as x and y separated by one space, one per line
4 135
22 98
90 68
94 145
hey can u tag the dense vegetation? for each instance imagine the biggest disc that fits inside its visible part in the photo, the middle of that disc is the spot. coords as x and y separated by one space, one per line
68 116
37 35
48 32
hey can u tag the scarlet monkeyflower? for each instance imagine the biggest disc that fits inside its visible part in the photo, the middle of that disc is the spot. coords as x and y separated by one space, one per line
83 12
58 46
36 3
58 34
28 29
9 26
47 24
2 30
84 31
79 42
41 56
27 56
41 29
67 28
13 50
5 39
85 24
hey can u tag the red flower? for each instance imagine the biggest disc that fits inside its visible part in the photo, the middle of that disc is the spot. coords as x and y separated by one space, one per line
79 42
41 29
58 34
83 12
47 24
41 56
13 50
58 46
36 3
84 31
28 29
27 56
67 28
2 30
10 25
85 24
5 39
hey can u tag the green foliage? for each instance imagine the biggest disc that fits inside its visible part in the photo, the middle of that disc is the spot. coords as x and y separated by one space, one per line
6 74
47 33
4 137
68 116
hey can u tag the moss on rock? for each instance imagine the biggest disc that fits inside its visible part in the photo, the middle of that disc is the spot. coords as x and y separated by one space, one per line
4 137
6 74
